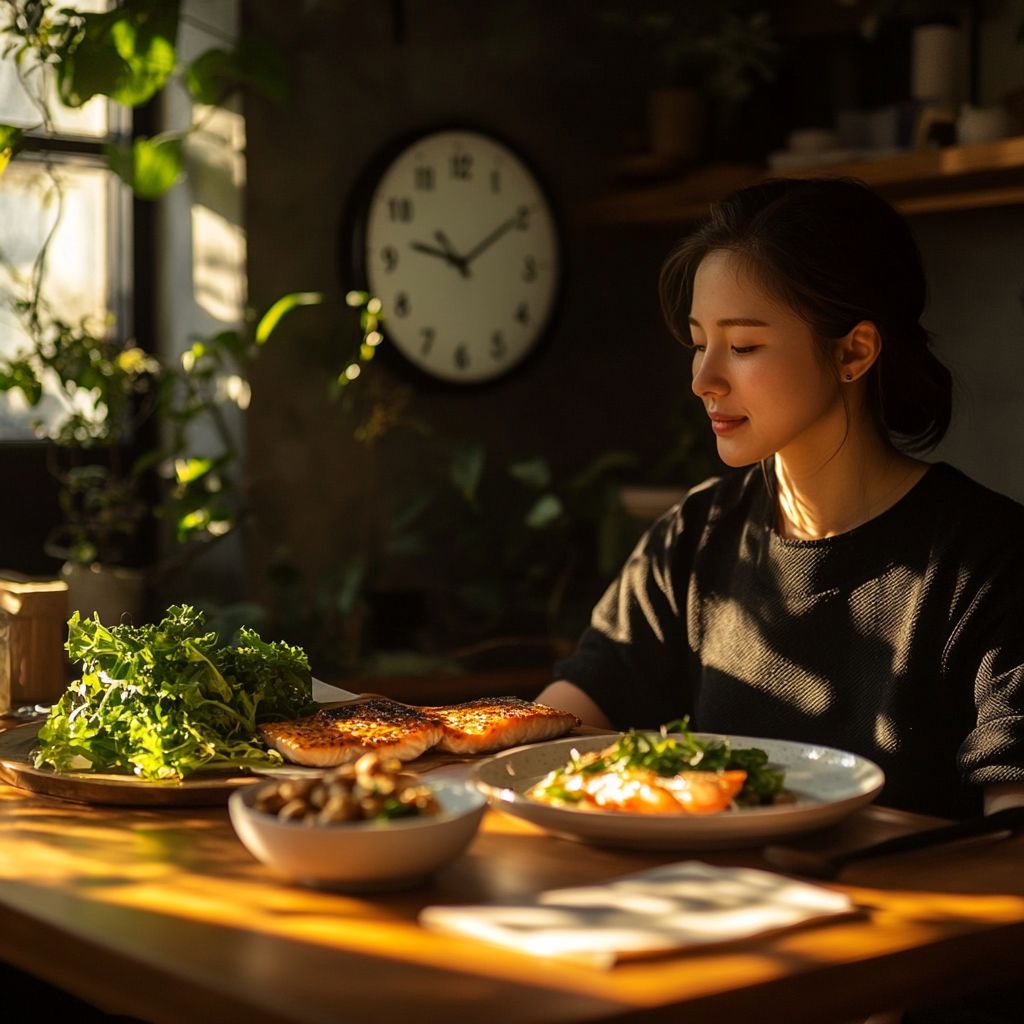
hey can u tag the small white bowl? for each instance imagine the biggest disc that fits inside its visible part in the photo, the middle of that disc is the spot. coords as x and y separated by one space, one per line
363 856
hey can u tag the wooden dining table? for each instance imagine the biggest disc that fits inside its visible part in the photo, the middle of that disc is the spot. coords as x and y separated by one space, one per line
161 914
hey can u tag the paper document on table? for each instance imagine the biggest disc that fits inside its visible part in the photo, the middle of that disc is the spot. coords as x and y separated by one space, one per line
671 907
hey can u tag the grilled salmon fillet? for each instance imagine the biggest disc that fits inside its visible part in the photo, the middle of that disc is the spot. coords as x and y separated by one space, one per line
497 723
338 735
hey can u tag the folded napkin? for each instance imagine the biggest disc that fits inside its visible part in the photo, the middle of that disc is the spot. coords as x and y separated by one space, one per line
671 907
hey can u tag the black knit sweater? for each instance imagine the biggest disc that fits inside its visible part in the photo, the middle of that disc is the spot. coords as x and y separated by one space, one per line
902 640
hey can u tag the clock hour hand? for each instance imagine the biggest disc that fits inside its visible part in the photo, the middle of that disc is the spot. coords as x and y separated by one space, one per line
517 220
445 254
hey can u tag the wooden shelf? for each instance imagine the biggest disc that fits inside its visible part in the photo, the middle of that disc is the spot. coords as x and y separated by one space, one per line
926 181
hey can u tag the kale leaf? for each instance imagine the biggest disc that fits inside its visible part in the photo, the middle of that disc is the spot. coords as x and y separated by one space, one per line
163 701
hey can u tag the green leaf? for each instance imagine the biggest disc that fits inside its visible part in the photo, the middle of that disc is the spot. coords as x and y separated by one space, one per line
11 139
187 471
151 167
157 166
483 596
406 544
535 473
409 513
351 585
254 63
231 341
616 459
262 67
546 510
191 524
210 76
284 305
19 374
467 468
127 53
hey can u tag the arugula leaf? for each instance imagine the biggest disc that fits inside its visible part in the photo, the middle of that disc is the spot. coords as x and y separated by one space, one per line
163 701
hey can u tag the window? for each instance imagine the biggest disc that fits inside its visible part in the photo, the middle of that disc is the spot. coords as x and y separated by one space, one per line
59 194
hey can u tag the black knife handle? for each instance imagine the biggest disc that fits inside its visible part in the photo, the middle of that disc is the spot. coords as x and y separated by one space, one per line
1009 820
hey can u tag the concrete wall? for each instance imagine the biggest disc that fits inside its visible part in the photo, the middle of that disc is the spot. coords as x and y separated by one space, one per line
975 265
610 376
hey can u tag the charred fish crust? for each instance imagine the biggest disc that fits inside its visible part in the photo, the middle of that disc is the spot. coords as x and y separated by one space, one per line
484 709
379 710
496 723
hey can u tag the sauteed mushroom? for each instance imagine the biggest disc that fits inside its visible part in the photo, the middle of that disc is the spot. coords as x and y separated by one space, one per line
369 790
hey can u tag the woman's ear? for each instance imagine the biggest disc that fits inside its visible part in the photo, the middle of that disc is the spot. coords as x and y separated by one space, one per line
858 351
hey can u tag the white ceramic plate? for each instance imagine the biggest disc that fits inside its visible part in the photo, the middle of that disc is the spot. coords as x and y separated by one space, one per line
828 785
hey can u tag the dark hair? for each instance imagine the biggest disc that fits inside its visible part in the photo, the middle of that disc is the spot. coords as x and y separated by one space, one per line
836 254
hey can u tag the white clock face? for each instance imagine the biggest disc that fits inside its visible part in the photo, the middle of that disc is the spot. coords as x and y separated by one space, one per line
462 251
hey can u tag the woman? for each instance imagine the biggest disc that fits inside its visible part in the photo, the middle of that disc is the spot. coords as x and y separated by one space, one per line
839 590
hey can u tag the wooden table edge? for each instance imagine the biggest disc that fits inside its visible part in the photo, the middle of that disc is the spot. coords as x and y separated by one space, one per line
981 960
85 968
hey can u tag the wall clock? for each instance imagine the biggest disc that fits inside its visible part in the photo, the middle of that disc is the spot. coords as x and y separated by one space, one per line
457 238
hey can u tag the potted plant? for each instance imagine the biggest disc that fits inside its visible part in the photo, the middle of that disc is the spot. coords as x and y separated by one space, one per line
713 51
106 389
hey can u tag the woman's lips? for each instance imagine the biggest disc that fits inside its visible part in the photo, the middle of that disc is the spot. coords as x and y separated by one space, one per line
726 424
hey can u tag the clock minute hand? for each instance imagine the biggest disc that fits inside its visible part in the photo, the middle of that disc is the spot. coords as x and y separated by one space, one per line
453 256
518 219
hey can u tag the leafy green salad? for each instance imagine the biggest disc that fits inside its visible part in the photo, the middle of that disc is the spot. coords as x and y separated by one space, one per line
164 701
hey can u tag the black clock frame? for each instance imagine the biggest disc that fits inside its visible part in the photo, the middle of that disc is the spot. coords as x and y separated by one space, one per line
353 269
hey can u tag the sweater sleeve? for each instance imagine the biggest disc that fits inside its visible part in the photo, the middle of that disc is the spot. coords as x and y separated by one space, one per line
988 645
632 660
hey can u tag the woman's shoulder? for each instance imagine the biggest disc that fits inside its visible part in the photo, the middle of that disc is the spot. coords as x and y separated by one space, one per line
973 513
957 491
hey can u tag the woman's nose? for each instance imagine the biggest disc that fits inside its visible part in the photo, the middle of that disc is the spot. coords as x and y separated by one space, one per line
708 378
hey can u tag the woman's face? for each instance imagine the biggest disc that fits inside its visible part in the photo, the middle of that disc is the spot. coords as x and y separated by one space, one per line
758 371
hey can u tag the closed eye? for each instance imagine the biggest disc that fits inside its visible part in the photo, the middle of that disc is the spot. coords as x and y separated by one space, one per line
744 351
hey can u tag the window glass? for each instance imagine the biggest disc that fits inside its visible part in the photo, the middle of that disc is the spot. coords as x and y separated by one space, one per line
76 281
18 108
19 105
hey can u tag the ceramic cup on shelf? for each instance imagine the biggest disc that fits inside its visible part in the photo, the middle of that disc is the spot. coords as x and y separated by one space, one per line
933 72
982 124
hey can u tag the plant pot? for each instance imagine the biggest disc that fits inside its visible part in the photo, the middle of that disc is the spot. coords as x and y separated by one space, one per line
646 504
113 593
676 121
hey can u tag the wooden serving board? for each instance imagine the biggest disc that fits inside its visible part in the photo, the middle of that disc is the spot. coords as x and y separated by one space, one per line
17 746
